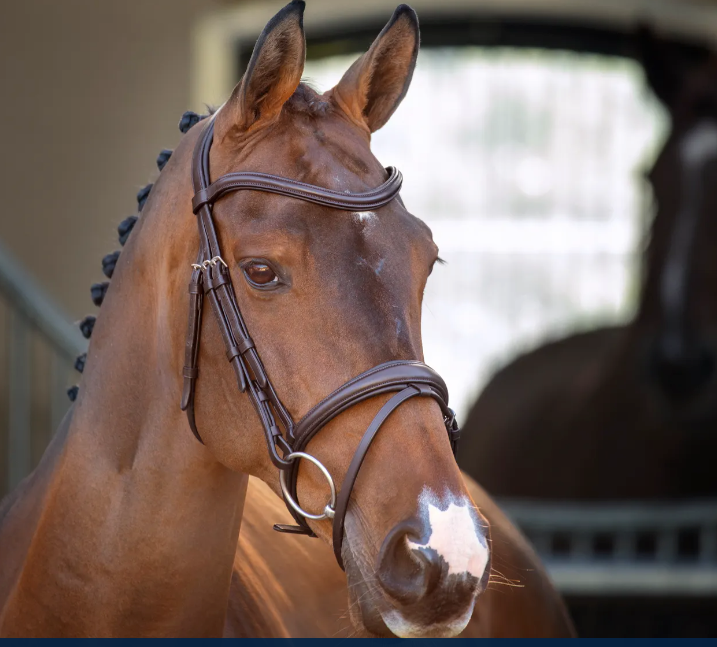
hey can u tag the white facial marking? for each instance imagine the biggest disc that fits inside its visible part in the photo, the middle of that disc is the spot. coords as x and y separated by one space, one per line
697 148
455 535
365 216
699 144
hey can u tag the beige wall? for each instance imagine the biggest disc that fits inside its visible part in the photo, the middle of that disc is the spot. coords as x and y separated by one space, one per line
90 91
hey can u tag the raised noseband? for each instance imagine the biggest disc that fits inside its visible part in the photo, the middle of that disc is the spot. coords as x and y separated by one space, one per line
285 441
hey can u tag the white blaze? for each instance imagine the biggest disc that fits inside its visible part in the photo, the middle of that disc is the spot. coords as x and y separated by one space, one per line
699 145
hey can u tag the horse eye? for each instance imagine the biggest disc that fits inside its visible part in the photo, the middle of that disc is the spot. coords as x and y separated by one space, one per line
260 274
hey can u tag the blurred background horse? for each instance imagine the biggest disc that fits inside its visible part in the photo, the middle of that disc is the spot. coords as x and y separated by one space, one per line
627 412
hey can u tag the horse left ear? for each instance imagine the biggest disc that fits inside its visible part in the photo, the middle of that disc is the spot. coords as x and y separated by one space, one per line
376 83
661 70
273 74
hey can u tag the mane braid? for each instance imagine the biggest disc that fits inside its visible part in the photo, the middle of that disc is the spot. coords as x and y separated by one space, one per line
109 262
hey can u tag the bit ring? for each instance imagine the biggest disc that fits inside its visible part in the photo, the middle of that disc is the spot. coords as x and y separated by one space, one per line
330 508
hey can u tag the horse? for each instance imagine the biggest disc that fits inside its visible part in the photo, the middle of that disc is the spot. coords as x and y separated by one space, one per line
130 524
629 411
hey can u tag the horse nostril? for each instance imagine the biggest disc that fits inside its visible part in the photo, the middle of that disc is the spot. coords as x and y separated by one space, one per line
405 574
682 374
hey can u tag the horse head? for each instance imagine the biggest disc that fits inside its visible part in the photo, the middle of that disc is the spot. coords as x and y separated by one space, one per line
681 272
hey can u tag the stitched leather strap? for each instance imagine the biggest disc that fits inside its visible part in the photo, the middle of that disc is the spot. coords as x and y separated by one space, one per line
249 370
373 199
342 503
190 371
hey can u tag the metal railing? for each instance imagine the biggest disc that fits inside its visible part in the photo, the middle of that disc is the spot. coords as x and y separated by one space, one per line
39 352
636 548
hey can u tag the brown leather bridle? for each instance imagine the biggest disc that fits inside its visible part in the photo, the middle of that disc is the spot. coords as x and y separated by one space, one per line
211 278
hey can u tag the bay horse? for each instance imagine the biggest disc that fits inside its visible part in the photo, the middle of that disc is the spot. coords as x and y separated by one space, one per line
626 412
130 524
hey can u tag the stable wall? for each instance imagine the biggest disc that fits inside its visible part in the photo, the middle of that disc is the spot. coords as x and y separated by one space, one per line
90 92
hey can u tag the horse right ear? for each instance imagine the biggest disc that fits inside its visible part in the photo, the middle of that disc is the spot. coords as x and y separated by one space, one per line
273 74
374 86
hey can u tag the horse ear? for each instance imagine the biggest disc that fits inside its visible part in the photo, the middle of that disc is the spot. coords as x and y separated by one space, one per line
376 83
663 71
273 74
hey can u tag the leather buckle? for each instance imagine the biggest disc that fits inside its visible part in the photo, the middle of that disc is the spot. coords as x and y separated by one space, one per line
191 372
293 530
450 421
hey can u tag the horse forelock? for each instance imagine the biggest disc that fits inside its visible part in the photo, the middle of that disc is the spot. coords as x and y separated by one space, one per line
307 100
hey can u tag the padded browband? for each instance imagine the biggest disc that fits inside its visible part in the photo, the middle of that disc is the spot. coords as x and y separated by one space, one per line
373 199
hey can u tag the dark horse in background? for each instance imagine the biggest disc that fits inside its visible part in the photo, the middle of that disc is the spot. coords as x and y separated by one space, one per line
627 411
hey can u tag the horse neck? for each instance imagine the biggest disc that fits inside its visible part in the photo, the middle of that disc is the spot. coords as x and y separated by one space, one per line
133 517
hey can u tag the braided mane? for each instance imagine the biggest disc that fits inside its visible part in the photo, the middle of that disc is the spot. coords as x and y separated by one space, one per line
98 290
